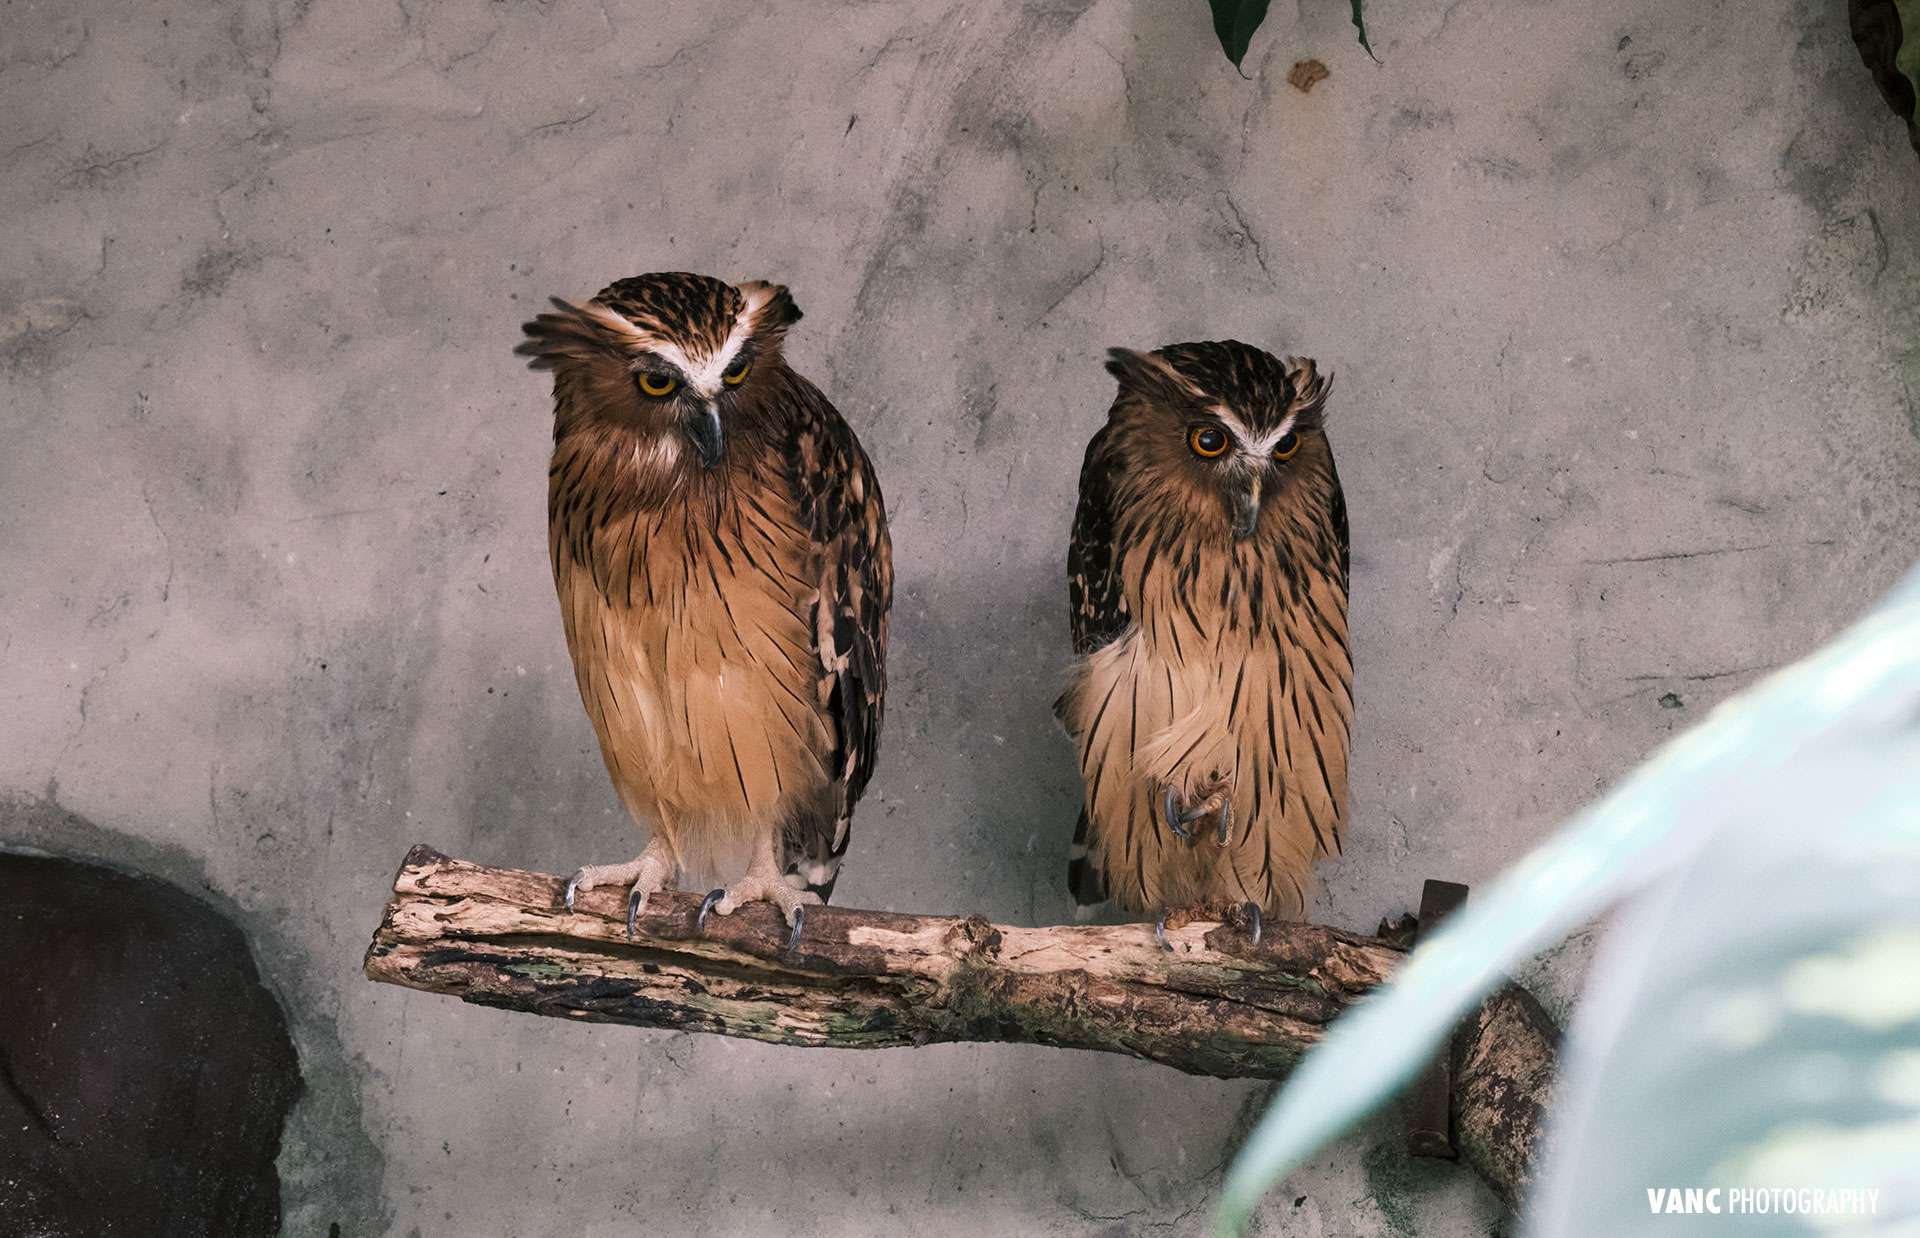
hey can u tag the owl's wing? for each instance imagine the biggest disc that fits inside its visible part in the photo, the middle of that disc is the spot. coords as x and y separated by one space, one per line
838 496
1098 608
1338 516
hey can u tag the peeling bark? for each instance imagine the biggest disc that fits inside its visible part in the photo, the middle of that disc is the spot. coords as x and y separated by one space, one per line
1217 1004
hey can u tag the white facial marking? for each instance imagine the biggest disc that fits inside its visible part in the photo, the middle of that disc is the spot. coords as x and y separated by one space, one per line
669 353
705 378
1248 443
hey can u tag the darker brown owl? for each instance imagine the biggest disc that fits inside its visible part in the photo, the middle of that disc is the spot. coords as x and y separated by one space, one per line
1212 694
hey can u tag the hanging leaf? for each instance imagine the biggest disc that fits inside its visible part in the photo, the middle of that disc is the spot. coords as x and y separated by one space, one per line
1234 21
1359 23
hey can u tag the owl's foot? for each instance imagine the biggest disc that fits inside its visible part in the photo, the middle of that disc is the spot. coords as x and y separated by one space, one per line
653 870
1225 829
1246 917
1219 805
1243 916
759 887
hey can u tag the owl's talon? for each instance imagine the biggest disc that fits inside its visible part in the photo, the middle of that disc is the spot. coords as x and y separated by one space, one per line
652 870
1226 820
1252 910
706 906
1175 821
799 918
1160 929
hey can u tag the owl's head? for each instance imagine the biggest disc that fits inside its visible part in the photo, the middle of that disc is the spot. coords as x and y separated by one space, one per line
1229 428
671 357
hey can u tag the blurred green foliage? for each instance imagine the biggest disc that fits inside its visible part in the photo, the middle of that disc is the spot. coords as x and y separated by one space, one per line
1755 1021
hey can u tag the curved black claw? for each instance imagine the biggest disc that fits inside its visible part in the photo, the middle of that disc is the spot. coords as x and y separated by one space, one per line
706 905
573 886
1253 913
1160 930
636 905
799 918
1226 818
1175 821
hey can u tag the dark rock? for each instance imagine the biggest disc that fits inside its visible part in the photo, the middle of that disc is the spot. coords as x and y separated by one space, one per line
145 1072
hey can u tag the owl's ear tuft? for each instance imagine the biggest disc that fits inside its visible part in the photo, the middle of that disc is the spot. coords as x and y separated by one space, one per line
1310 387
1143 373
769 308
574 333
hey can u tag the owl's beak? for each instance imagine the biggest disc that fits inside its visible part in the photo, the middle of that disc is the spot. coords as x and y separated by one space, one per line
703 431
1246 508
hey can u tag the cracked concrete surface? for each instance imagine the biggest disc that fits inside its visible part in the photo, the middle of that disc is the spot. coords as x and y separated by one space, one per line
1623 302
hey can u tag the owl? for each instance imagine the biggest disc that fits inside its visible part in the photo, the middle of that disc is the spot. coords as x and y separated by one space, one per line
720 551
1212 691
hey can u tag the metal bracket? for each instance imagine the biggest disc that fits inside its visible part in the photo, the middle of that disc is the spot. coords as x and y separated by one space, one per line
1429 1104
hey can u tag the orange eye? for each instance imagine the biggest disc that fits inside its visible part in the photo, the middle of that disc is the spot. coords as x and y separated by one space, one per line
657 385
1288 444
737 375
1207 441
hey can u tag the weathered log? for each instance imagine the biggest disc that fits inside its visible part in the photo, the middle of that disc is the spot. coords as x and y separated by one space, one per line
1505 1062
1216 1004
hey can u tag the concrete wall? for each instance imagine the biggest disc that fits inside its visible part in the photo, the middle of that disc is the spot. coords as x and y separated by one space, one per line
1624 300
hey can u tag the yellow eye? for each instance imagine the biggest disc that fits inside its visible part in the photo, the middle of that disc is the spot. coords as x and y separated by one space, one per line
1207 441
1288 444
738 374
656 385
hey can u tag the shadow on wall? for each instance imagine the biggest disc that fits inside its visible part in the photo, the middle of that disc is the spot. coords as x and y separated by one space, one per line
145 1071
971 754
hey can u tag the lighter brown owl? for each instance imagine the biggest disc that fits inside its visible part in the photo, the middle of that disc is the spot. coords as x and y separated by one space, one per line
1212 694
720 550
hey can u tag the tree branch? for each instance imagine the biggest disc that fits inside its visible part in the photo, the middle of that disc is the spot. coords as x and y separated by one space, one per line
1217 1004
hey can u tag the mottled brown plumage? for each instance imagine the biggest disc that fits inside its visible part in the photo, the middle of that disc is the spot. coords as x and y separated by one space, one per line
720 551
1208 580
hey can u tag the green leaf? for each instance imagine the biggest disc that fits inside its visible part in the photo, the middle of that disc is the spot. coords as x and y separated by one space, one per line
1359 23
1866 681
1907 58
1234 21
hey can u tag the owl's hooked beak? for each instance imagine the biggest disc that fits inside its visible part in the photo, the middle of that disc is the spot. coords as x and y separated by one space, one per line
1246 508
703 431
